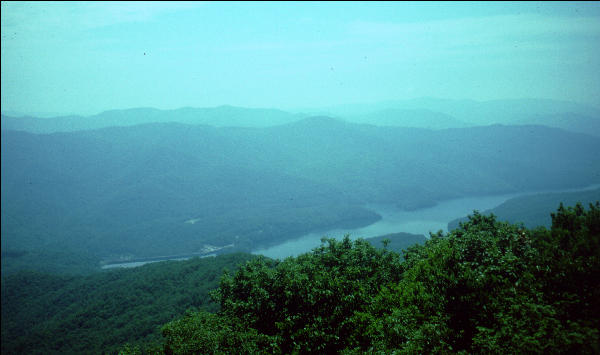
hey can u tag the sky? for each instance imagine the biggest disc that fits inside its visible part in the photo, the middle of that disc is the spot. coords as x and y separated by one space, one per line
84 58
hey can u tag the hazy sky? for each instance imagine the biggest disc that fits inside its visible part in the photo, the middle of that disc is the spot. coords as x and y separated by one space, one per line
88 57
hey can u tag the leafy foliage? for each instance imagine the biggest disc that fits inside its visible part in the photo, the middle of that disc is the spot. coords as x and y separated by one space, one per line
397 241
486 287
306 302
535 210
43 314
203 333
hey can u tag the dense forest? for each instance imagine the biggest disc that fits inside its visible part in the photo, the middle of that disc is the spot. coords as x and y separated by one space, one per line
485 287
98 313
292 178
533 210
73 199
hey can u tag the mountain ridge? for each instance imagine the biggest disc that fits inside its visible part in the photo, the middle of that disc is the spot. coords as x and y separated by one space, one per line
129 190
429 113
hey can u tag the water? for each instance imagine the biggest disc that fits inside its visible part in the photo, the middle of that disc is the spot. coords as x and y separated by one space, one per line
140 263
394 220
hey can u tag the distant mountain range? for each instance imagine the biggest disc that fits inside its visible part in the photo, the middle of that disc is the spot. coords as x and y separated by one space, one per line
222 116
418 113
129 191
443 113
418 118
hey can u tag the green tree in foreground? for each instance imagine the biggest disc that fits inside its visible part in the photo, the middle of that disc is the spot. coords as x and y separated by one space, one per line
302 304
486 287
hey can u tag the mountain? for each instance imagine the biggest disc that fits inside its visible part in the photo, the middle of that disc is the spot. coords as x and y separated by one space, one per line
343 296
419 113
420 118
553 113
221 116
534 210
153 190
169 188
99 313
569 121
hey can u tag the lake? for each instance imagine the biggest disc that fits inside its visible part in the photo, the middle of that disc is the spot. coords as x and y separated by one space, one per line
394 220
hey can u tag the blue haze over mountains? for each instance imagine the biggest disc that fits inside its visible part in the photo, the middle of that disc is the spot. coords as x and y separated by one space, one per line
421 113
149 150
147 182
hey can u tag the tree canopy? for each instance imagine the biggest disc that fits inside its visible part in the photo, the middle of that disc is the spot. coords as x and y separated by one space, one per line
486 287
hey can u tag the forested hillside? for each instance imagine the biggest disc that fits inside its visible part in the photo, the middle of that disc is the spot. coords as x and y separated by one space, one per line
99 313
486 287
163 189
212 177
534 210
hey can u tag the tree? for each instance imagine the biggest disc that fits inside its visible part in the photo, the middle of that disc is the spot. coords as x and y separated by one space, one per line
486 287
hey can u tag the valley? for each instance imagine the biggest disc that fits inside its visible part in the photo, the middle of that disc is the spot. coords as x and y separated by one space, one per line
300 178
421 221
130 190
167 188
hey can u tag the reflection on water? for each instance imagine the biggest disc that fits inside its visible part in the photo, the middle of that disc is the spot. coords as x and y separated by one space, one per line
394 220
140 263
